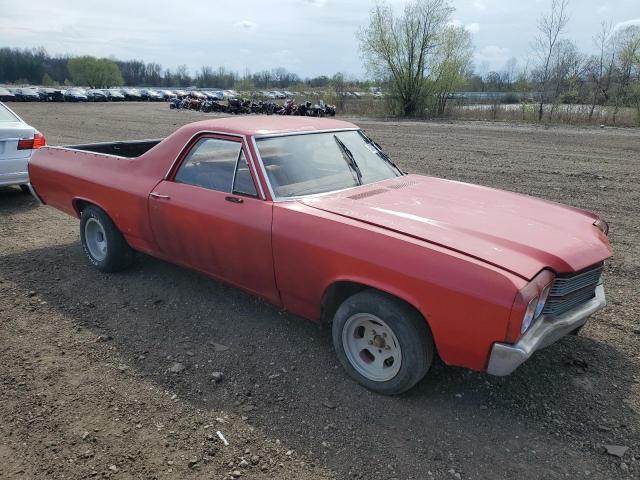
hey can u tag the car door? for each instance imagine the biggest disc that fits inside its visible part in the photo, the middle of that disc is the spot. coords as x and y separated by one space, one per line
207 215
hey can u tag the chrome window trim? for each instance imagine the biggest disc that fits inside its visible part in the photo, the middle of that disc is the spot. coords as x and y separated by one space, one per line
235 174
264 171
274 197
305 132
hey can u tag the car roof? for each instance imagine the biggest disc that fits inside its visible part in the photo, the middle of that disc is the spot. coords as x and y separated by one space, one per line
268 125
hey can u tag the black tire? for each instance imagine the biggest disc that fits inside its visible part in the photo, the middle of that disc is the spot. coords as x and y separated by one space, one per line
25 189
409 327
576 331
119 255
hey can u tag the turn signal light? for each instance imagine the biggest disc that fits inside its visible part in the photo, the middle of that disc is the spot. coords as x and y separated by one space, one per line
38 141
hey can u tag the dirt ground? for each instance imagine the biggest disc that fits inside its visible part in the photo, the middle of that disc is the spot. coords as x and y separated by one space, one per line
131 375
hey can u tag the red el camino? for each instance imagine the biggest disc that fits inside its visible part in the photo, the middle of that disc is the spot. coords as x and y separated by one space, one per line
311 215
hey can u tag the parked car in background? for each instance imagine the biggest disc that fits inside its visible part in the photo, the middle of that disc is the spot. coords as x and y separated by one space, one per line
6 95
18 140
75 95
181 93
406 265
114 95
132 94
167 94
197 95
150 95
27 95
214 94
96 95
50 94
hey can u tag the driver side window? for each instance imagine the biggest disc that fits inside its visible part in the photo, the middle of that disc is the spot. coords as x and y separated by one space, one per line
211 164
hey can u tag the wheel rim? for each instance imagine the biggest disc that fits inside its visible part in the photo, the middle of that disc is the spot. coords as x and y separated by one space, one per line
95 239
371 347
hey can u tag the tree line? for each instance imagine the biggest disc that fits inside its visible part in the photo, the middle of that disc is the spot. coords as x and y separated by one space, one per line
418 55
37 67
424 57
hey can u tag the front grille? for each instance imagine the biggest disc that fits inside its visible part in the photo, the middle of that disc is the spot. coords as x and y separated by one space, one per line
571 291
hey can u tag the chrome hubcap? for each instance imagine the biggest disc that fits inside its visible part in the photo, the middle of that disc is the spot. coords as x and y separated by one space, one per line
371 347
96 239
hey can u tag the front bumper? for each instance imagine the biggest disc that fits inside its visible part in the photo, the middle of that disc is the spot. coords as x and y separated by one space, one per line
505 358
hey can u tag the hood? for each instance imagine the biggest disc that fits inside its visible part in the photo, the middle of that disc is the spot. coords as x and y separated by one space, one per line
515 232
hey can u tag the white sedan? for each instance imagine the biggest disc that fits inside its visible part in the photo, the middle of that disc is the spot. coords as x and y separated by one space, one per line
17 142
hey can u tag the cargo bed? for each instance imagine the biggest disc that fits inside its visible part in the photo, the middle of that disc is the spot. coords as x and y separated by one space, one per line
126 149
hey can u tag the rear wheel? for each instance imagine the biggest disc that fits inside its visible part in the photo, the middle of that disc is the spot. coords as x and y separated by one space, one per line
103 244
25 189
382 342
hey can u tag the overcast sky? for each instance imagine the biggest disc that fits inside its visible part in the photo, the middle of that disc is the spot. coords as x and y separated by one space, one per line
309 37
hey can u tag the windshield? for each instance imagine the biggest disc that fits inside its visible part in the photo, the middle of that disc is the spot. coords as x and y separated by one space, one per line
322 162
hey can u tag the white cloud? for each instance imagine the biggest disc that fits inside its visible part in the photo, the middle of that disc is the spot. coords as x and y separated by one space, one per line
473 27
480 5
602 9
470 27
246 24
627 23
316 3
492 57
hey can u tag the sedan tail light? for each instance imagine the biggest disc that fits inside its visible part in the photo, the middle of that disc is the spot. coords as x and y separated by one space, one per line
38 141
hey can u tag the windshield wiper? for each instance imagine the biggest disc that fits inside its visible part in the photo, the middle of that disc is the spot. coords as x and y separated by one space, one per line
348 156
381 153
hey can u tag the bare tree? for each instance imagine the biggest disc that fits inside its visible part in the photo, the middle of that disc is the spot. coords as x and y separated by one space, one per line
449 67
339 85
566 73
510 71
550 28
399 47
601 66
627 44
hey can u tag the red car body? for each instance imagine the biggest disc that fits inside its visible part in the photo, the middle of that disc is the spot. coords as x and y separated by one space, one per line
460 254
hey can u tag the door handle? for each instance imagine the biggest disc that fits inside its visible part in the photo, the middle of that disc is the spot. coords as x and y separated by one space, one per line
234 199
159 195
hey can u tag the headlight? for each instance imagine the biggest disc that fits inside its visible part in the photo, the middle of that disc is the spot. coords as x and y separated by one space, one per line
528 304
601 225
543 300
529 314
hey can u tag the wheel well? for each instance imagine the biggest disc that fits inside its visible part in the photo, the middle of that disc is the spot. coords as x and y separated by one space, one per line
334 296
79 205
338 292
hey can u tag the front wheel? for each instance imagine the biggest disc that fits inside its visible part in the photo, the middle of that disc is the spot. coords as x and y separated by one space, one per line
103 244
381 342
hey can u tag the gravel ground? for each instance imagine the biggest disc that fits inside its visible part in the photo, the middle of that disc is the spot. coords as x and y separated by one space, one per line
130 375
